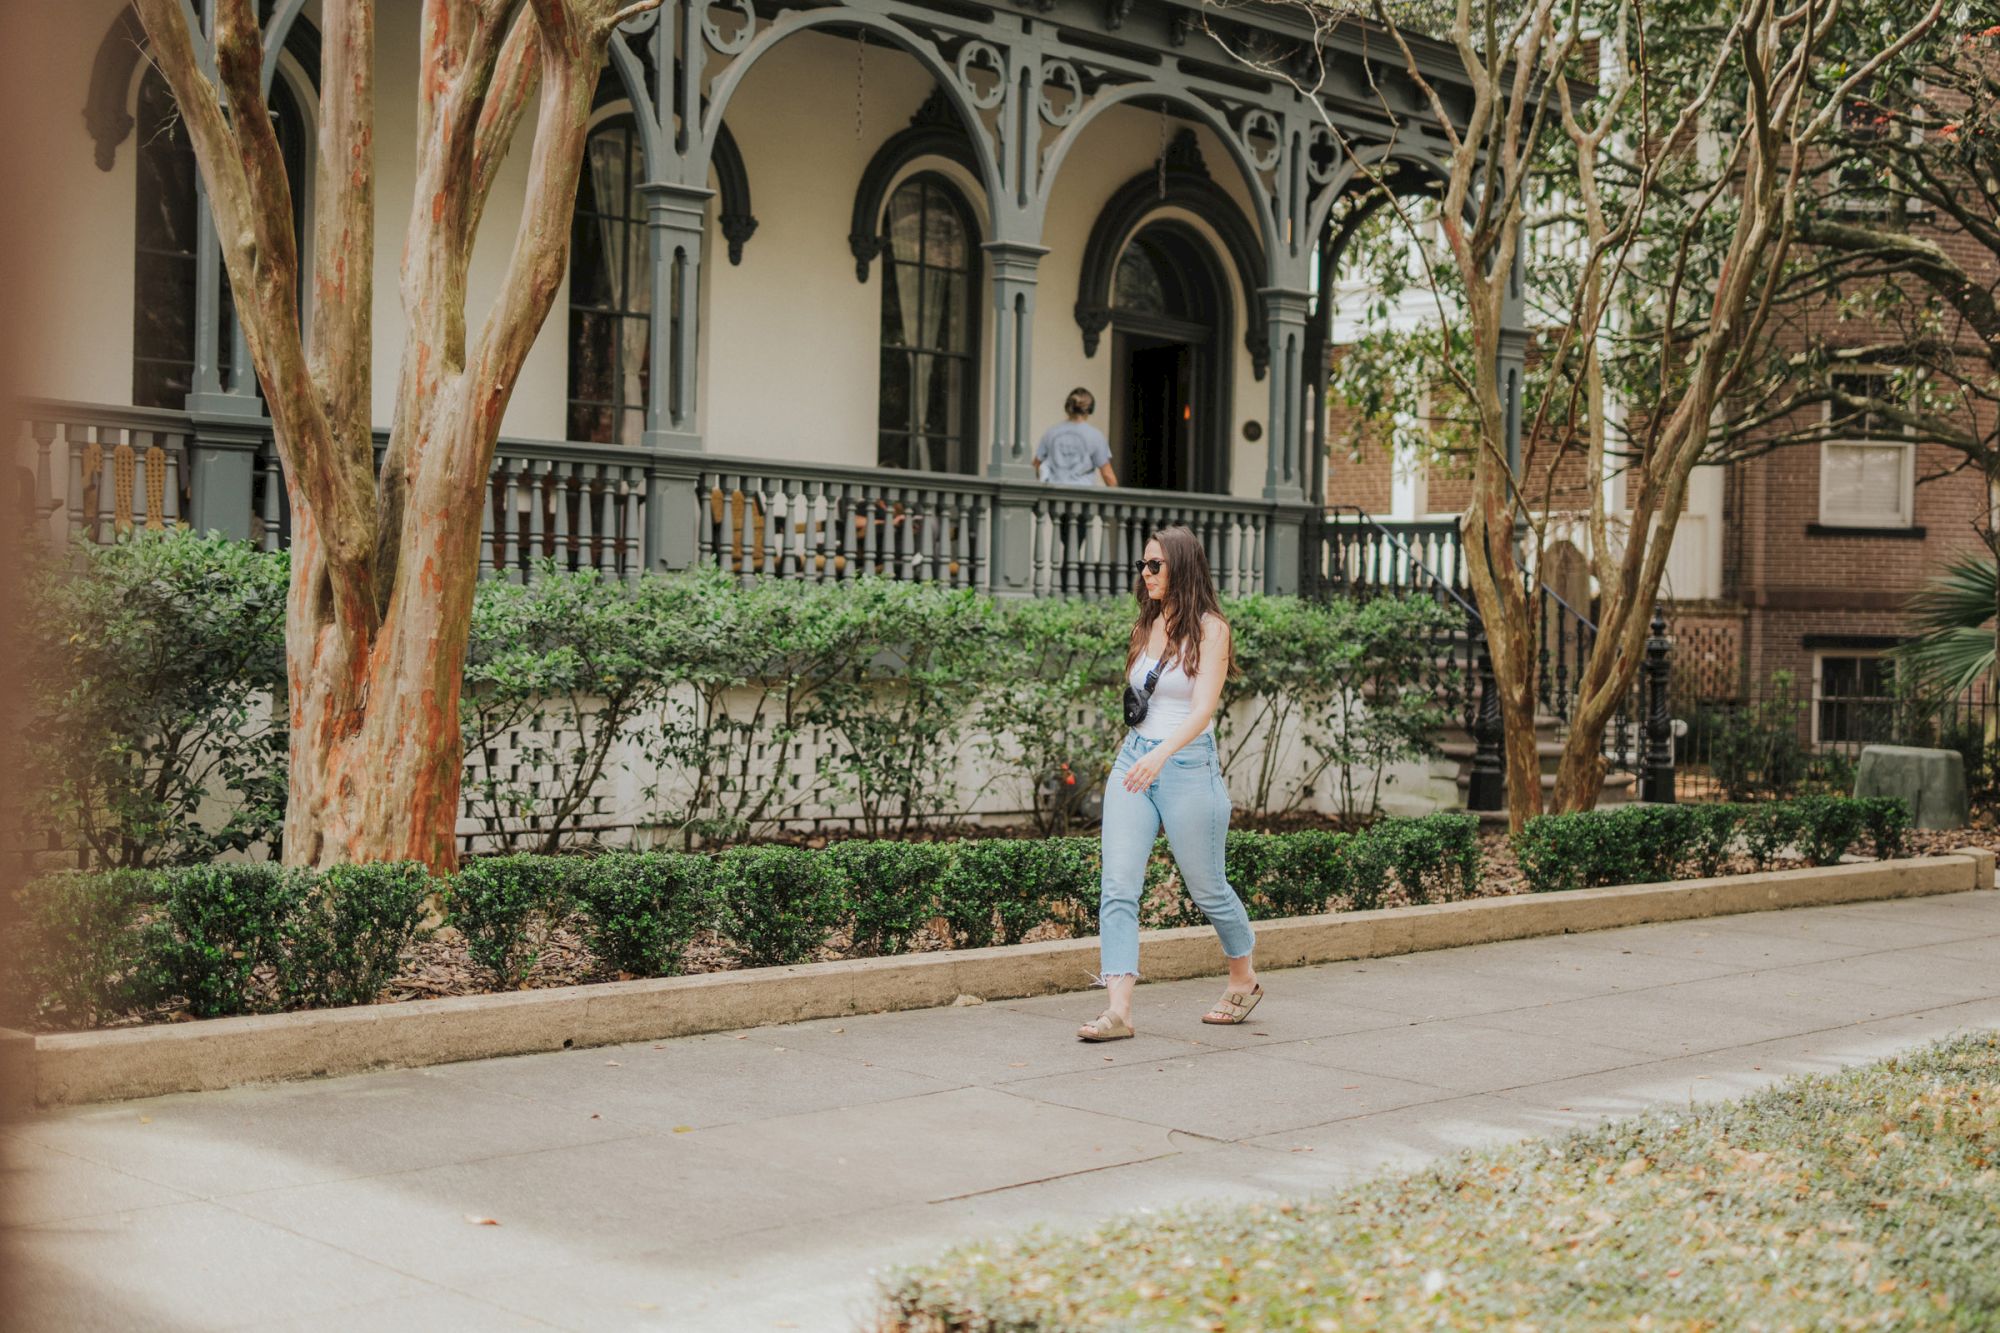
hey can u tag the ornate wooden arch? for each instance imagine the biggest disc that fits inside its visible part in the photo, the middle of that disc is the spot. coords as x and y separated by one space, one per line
934 131
107 111
736 219
1188 187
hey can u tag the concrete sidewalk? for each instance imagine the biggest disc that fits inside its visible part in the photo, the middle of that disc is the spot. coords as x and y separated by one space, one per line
752 1180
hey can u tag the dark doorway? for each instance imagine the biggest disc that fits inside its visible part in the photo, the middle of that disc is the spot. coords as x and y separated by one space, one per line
1159 413
1170 318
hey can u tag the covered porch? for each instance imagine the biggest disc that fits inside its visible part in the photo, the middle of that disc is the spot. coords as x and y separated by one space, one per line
960 212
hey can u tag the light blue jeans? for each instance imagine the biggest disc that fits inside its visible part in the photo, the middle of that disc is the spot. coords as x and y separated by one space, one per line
1190 800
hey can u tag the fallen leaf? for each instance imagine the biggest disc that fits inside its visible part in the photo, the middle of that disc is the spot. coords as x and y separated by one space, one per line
479 1221
1349 1087
683 1129
145 1120
742 1036
1302 1150
1018 1064
593 1115
838 1031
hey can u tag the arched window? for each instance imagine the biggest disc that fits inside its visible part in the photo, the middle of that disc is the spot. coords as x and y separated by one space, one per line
165 242
610 291
930 305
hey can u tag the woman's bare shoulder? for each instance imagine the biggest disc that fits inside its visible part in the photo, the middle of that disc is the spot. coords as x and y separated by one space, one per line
1213 626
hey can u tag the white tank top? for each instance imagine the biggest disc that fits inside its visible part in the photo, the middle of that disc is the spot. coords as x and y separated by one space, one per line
1173 698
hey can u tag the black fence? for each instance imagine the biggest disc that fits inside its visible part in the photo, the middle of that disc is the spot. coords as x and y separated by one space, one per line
1792 738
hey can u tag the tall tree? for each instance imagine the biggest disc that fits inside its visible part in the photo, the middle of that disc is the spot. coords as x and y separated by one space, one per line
384 560
1651 187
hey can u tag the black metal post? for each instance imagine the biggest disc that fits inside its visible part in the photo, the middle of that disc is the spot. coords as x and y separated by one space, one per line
1488 788
1659 721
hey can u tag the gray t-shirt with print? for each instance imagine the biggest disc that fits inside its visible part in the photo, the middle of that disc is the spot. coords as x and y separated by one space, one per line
1071 452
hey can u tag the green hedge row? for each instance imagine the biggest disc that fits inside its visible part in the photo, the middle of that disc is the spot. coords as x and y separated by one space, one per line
253 937
1649 844
151 663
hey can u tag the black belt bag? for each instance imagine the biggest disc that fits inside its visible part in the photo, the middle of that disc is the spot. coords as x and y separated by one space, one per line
1137 701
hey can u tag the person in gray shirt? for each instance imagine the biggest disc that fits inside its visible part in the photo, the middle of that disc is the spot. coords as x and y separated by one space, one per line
1073 452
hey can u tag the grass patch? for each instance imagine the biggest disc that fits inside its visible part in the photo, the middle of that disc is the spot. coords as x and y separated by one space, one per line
1866 1199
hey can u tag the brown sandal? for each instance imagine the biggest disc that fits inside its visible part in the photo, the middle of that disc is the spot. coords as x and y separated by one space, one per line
1107 1026
1236 1005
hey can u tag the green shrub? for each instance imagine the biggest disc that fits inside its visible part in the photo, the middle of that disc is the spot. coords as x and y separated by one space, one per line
1768 829
213 928
77 959
1048 701
1888 820
1253 864
641 911
1647 844
1315 867
1827 827
1634 844
777 904
1758 749
151 664
504 905
891 889
349 928
1712 835
556 671
1435 859
895 715
998 889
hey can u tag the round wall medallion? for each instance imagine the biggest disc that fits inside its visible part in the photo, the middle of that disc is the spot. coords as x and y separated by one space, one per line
1252 431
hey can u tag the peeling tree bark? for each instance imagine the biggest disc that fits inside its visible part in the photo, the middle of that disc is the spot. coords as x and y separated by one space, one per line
384 563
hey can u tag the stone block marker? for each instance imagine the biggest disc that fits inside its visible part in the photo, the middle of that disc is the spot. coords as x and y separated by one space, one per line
1930 782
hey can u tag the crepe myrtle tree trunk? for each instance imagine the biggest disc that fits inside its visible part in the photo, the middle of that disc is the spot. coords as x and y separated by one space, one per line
384 562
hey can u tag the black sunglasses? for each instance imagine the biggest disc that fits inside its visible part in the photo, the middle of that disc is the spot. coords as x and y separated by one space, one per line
1148 566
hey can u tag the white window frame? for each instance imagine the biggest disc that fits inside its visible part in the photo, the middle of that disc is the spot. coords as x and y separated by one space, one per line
1819 684
1905 515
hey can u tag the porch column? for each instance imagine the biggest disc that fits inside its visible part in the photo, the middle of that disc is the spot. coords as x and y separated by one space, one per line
1512 358
228 419
1011 544
676 218
1014 266
676 221
1285 472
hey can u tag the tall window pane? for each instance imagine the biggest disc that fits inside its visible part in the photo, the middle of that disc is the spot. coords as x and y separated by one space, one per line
164 243
610 291
928 385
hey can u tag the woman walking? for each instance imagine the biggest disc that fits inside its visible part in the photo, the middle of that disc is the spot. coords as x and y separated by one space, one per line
1166 774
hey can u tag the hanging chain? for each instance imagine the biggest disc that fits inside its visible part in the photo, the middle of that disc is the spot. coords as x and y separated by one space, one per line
860 78
1162 164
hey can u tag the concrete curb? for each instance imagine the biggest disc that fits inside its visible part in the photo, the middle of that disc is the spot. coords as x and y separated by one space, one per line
71 1068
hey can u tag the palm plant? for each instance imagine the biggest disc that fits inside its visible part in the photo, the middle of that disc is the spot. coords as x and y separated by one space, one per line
1954 619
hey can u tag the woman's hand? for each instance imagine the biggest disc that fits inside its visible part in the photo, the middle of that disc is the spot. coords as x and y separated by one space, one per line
1145 770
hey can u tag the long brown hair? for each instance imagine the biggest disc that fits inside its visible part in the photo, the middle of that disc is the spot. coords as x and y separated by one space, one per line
1190 596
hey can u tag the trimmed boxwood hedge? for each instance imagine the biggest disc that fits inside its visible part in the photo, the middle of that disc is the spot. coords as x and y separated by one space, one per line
255 937
1650 844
